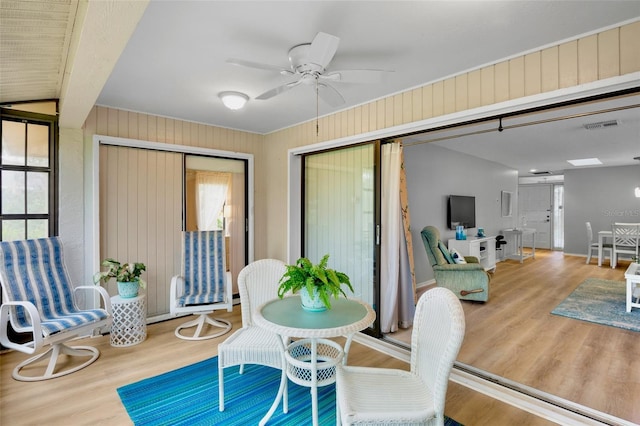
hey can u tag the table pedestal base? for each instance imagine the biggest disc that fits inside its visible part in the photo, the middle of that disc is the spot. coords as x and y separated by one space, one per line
312 363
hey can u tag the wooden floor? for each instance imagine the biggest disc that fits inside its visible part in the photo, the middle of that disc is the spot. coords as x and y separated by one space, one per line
513 335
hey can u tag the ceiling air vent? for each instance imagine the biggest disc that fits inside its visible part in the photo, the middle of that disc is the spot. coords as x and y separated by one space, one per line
601 125
542 173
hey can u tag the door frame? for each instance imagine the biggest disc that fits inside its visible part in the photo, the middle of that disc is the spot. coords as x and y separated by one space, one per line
549 187
599 89
92 256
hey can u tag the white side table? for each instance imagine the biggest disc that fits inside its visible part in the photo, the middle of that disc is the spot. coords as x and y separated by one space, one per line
632 275
129 320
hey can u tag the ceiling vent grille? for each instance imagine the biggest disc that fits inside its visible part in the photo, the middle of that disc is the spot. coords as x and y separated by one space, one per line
601 125
542 173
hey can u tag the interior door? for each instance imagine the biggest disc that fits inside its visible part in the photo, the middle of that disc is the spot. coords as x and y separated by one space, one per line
534 210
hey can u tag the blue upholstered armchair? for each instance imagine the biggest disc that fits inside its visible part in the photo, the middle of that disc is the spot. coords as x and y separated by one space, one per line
468 281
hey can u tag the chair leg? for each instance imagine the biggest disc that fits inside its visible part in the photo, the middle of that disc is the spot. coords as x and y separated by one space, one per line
220 387
199 324
589 255
53 354
282 395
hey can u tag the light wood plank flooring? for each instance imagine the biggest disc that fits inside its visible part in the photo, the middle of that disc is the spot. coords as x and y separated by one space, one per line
513 336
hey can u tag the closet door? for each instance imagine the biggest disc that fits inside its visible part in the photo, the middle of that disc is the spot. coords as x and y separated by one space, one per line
141 216
340 215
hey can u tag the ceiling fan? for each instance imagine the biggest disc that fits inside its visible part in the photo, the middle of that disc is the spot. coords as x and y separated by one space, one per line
308 64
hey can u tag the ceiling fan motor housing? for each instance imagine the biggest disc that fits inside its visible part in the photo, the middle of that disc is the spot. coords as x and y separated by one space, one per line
299 59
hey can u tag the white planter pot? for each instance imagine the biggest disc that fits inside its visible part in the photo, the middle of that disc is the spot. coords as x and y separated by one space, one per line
311 303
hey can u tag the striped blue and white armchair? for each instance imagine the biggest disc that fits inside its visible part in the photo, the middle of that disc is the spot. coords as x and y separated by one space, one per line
203 286
38 298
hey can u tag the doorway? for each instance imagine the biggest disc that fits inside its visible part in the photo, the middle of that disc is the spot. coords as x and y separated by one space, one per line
540 207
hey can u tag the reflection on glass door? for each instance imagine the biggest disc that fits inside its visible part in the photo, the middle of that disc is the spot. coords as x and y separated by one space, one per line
215 199
340 214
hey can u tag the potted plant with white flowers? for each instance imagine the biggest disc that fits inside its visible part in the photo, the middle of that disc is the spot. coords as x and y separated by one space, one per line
315 283
127 275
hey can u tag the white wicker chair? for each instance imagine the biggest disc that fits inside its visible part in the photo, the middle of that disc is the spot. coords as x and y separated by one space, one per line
257 283
39 299
366 395
593 245
204 286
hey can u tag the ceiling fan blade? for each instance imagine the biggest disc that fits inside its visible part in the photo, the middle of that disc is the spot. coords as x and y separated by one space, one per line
330 95
356 76
323 48
277 90
258 65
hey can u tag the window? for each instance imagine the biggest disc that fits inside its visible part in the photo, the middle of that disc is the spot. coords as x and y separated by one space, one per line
27 175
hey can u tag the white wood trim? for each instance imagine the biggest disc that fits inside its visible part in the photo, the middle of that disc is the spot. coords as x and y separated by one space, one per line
574 93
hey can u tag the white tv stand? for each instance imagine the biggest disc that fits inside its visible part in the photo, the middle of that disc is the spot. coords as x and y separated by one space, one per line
483 248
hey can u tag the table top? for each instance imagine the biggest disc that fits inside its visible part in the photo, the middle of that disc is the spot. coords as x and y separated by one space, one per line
519 231
286 317
633 271
117 299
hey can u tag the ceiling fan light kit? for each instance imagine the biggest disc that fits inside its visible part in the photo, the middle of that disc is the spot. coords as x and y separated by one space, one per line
233 100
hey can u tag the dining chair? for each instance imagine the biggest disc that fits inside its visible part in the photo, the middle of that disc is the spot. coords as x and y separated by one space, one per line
591 245
257 283
203 286
371 395
39 301
626 239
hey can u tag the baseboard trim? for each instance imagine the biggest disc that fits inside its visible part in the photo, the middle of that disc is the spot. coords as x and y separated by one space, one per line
541 404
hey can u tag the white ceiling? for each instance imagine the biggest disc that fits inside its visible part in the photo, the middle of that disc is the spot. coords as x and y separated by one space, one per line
174 63
544 141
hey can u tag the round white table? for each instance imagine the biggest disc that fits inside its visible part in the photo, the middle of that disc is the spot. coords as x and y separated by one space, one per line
287 318
129 325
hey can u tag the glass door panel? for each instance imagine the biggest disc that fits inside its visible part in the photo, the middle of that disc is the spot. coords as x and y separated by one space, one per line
340 214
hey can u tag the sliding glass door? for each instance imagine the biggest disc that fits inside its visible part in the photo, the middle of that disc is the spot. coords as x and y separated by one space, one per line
341 217
215 195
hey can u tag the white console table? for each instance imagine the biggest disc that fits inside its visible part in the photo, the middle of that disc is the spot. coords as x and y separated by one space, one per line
517 234
484 248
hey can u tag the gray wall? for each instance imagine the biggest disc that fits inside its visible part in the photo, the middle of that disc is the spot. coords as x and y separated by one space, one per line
434 173
601 196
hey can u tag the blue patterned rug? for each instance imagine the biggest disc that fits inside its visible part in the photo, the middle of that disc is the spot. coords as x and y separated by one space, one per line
601 302
189 396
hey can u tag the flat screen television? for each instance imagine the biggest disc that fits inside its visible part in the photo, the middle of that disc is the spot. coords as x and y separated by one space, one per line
461 211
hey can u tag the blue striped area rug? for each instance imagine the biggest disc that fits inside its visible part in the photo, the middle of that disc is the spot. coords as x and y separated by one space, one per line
189 396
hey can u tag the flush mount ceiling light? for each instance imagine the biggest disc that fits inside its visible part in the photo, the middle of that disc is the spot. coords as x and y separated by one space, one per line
233 100
585 162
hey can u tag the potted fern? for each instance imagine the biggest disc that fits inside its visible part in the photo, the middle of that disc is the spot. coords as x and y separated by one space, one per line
127 275
316 283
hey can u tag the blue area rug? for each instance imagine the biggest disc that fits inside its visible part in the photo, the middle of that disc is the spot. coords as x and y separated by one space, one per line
601 302
189 396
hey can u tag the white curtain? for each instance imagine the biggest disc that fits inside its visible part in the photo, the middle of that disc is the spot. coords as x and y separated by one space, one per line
392 235
211 190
